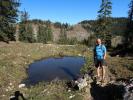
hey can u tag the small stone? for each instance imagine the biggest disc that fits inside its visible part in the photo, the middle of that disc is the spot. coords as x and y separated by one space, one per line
117 55
28 55
44 90
69 90
11 97
3 95
79 55
86 76
48 92
10 84
111 82
72 96
81 83
21 86
7 90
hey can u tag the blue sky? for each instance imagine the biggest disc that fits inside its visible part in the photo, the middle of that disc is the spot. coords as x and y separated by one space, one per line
70 11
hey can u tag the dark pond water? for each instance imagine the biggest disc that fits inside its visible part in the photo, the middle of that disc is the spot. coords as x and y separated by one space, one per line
64 68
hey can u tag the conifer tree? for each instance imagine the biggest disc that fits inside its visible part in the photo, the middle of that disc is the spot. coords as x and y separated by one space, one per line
26 33
8 16
103 24
129 33
24 16
44 34
63 36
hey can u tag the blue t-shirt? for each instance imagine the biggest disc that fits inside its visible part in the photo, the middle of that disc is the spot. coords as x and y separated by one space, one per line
99 51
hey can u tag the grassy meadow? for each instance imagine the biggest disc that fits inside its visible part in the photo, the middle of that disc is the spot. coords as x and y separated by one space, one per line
15 58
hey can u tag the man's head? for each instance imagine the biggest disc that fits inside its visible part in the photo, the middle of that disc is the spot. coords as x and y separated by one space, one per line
98 41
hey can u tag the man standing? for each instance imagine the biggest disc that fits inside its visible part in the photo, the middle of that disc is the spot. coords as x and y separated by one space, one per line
99 59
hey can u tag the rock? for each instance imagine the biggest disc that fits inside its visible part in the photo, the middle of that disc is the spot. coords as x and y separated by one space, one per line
3 95
7 90
88 78
117 56
129 91
12 97
21 85
111 82
10 84
81 83
79 55
69 90
28 55
48 92
128 88
72 96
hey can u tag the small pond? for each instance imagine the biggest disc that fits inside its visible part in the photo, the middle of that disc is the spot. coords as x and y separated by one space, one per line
63 68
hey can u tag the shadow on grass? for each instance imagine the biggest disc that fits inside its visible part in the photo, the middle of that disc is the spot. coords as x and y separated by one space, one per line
17 96
109 92
122 51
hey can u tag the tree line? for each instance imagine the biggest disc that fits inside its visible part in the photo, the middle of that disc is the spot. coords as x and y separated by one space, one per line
105 27
102 27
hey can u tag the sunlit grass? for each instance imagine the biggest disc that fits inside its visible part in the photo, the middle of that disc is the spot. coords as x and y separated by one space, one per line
16 57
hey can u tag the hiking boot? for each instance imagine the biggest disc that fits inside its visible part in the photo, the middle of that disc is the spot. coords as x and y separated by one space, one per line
103 84
99 80
106 80
99 83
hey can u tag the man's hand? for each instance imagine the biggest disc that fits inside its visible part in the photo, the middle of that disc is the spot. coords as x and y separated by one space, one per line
104 57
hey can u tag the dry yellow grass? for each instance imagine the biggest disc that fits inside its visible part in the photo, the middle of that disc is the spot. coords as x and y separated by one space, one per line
15 58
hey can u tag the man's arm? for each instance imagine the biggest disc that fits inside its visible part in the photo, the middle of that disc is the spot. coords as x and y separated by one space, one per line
104 57
105 52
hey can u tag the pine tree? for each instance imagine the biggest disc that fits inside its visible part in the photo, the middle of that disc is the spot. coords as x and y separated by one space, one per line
63 37
44 34
105 10
130 13
102 28
26 33
24 16
8 16
129 33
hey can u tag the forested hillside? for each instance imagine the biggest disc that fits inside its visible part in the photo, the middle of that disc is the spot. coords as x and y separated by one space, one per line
59 32
118 25
47 31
